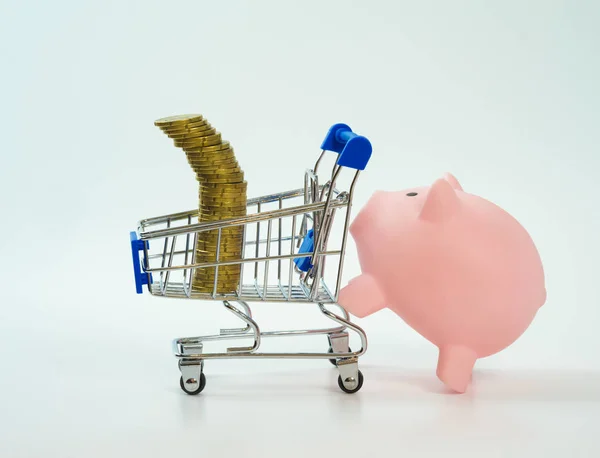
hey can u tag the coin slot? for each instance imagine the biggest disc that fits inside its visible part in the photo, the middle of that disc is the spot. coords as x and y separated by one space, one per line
412 194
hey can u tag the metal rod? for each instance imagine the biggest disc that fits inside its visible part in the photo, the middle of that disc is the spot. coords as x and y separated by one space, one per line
170 262
193 271
164 255
247 311
180 344
217 261
319 236
183 215
345 236
257 245
256 217
249 322
266 280
319 160
241 282
247 260
291 268
279 244
187 249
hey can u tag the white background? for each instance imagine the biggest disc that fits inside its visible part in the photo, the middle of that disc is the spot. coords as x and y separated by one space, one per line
502 94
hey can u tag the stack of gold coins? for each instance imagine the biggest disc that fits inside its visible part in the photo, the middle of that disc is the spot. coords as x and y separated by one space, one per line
222 195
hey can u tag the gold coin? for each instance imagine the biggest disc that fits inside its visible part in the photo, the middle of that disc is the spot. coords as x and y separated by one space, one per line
221 199
206 249
185 127
200 155
214 139
225 238
226 289
228 240
233 177
223 180
215 210
219 217
195 133
225 269
219 172
210 255
226 158
222 210
224 145
225 206
213 193
213 161
224 167
178 119
213 148
217 167
223 273
215 218
206 160
188 129
233 186
222 282
223 193
205 196
223 202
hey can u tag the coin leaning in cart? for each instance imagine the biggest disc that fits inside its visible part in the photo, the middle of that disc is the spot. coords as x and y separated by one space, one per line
205 177
207 157
221 179
221 192
170 130
208 167
224 201
189 135
200 141
202 158
205 129
221 173
185 126
187 129
216 213
209 149
178 119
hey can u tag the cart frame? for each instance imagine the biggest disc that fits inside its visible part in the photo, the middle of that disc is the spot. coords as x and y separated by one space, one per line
306 263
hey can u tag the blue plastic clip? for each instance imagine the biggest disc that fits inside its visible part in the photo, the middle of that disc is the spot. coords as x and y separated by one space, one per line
141 278
308 245
354 150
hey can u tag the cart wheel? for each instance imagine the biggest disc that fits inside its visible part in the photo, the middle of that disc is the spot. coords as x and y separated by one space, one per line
200 388
354 390
332 360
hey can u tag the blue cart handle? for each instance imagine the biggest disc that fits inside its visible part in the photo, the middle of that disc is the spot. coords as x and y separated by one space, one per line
354 150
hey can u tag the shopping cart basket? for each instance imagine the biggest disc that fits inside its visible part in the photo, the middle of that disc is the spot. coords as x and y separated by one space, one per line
290 254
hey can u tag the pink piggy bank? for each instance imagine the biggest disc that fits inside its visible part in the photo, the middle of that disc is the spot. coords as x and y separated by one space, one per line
455 267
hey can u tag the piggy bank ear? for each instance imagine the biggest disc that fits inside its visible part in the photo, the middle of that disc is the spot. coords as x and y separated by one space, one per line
441 202
453 181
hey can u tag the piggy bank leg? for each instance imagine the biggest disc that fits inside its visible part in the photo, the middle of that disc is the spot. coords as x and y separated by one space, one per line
362 296
455 366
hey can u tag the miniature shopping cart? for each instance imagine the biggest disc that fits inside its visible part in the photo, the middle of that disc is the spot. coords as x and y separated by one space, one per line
293 248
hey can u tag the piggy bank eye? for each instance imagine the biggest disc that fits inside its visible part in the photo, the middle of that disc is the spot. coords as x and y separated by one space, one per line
412 194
